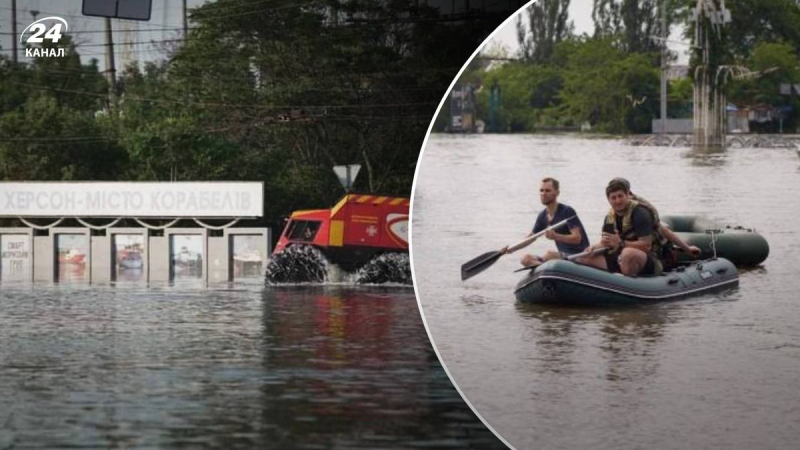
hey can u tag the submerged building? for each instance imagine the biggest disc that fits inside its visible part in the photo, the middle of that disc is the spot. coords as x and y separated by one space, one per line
74 233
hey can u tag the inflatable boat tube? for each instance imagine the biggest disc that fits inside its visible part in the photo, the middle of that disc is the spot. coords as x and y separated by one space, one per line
742 246
568 283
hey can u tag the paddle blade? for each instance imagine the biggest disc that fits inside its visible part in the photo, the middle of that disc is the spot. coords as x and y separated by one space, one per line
523 269
479 264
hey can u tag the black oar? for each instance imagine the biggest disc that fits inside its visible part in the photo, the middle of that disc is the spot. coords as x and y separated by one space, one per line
596 251
483 262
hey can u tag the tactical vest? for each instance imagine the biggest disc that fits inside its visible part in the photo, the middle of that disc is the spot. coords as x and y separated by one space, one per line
649 207
664 244
628 234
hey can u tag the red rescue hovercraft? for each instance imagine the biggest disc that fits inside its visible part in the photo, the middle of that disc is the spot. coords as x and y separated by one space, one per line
352 234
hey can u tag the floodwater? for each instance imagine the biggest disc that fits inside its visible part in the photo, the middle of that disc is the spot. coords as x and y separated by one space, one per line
285 367
715 371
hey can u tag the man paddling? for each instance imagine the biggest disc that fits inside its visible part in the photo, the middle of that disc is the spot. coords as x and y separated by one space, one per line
570 238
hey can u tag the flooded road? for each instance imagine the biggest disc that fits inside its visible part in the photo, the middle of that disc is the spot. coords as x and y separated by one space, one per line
286 367
714 371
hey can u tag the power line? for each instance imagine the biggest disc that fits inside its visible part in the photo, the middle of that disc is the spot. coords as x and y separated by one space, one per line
286 87
210 7
56 139
227 105
306 39
269 122
138 30
294 79
292 82
252 11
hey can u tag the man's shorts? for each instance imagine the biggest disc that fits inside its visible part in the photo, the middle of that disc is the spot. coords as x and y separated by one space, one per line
612 261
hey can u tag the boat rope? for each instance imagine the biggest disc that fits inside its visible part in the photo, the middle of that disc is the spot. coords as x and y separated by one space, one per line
98 227
714 241
212 227
42 227
154 227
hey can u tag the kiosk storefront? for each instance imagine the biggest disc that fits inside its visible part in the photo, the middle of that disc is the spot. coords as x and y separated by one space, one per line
131 232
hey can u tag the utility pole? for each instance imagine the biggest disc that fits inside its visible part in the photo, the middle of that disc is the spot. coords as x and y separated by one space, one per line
185 22
14 30
111 71
664 36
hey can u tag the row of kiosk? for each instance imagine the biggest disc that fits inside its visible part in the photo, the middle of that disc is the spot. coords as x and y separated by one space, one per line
147 254
81 255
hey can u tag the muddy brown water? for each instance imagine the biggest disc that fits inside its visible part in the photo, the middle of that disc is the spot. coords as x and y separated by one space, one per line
310 367
714 371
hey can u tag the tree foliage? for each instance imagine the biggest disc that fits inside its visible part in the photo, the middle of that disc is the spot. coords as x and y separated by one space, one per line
757 21
611 90
611 79
547 24
259 90
632 22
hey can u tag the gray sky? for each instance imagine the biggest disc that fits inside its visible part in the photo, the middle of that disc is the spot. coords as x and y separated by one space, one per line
132 39
136 40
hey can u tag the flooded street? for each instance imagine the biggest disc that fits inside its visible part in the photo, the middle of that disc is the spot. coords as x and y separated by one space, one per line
284 367
714 371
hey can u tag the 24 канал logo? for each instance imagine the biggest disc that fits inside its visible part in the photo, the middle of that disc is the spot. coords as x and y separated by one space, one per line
38 32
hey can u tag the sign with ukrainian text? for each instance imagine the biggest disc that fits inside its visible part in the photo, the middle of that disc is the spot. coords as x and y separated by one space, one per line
131 199
15 257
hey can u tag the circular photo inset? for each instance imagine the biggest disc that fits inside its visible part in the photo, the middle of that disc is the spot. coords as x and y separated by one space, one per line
595 276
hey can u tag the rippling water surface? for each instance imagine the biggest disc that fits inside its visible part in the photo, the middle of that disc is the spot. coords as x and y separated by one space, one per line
295 367
714 371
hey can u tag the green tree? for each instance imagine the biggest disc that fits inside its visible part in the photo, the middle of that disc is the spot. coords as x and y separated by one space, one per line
547 24
48 121
757 21
258 90
634 23
43 141
780 65
612 91
529 95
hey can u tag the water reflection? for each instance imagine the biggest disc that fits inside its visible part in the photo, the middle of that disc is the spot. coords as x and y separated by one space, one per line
706 156
301 367
656 376
628 337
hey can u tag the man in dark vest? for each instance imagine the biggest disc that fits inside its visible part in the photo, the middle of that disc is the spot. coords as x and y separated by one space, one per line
629 234
668 241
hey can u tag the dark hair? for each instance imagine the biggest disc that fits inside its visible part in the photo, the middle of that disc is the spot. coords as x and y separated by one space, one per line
553 181
625 182
617 185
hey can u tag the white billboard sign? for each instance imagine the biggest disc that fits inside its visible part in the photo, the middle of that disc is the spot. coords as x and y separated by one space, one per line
131 199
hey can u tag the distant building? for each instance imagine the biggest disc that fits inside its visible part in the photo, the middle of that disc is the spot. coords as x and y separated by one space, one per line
462 109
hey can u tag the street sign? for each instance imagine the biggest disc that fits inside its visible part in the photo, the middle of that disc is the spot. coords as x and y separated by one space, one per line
118 9
347 174
786 88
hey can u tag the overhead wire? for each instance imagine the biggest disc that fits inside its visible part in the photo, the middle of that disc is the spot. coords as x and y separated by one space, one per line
224 105
422 119
273 85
